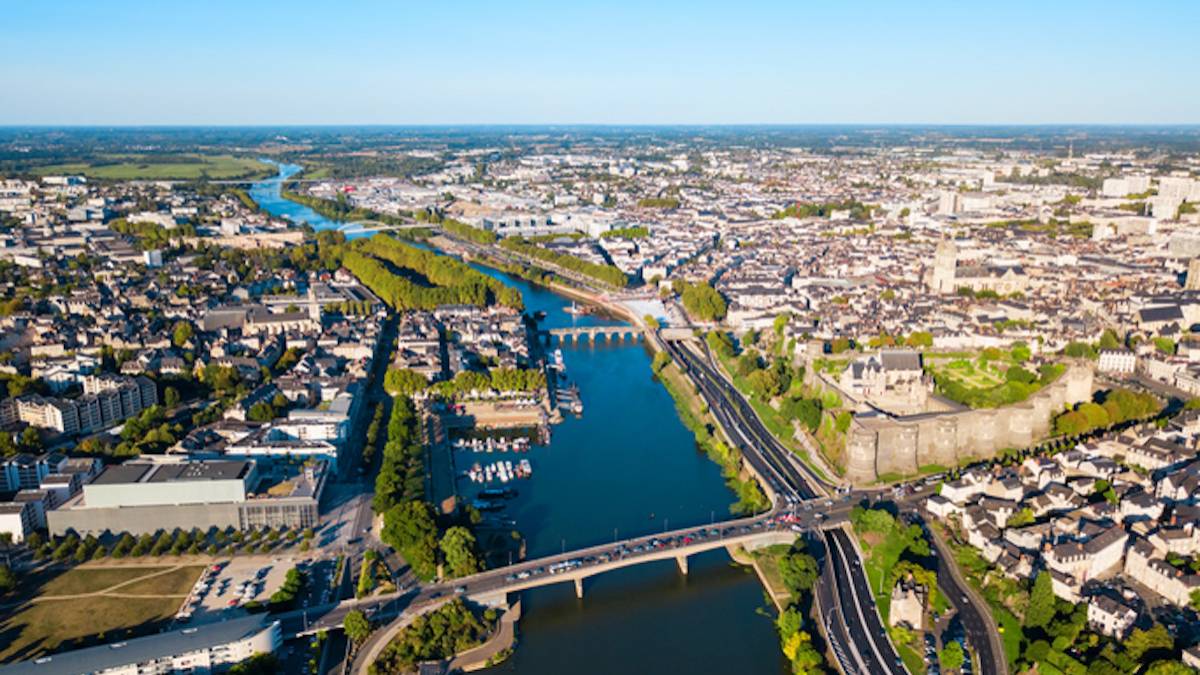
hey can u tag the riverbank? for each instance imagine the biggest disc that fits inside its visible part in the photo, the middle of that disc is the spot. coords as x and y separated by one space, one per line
695 416
625 468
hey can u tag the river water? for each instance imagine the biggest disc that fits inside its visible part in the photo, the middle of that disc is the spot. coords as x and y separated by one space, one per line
626 467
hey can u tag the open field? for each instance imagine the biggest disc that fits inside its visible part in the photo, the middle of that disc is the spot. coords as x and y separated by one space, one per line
175 582
85 580
52 618
180 167
48 626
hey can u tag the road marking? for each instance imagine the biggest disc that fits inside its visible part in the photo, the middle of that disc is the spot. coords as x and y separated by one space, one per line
858 604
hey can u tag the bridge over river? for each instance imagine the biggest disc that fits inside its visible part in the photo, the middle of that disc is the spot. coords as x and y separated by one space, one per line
493 587
591 334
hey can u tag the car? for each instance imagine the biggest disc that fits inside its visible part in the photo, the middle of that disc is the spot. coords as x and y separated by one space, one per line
460 590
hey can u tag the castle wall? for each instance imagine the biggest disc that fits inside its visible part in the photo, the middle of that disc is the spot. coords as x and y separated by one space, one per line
904 444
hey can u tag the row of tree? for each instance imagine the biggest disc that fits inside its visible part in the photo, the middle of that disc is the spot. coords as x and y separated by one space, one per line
798 570
406 277
1109 408
401 476
606 274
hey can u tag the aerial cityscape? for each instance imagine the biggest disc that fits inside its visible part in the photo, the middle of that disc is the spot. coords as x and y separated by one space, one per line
518 339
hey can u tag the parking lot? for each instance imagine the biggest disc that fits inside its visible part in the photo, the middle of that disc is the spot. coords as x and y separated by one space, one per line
238 581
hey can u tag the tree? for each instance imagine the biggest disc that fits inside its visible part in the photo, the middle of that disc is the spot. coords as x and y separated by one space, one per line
1109 340
8 579
952 656
799 572
1041 611
182 333
1020 518
806 410
766 383
1169 667
1019 374
661 360
171 397
1020 352
261 412
356 625
404 382
780 323
747 363
458 545
1156 641
720 342
1038 651
410 529
703 302
872 520
259 664
30 440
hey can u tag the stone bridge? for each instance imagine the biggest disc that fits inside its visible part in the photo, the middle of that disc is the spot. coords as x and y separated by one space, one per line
592 334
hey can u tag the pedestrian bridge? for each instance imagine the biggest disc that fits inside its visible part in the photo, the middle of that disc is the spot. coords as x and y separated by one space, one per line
592 334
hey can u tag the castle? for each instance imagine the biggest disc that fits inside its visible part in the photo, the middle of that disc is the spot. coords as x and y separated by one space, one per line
879 443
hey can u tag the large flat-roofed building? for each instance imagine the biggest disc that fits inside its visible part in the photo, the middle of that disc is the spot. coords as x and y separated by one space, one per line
165 483
143 496
206 648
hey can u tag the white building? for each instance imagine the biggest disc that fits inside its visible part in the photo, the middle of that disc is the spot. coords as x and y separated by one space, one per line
200 650
17 520
1119 361
1109 617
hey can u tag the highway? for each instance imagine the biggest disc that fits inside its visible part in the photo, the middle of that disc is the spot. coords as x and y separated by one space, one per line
853 626
783 470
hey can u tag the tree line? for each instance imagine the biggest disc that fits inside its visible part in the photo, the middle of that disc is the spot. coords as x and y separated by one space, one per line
606 274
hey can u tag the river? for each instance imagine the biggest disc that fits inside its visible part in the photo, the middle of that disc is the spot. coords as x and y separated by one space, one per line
626 467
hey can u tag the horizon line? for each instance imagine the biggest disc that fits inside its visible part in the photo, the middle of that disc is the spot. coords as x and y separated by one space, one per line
269 125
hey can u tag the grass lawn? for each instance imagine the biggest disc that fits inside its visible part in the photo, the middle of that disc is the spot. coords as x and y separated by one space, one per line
44 627
882 554
49 625
768 564
912 660
175 582
181 167
90 580
1010 633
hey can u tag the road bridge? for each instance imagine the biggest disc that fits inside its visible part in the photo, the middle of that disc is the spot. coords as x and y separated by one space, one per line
592 334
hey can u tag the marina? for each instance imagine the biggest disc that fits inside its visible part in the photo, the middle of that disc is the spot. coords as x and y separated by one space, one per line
492 444
502 471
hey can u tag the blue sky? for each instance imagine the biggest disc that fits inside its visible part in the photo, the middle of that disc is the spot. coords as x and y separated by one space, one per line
614 62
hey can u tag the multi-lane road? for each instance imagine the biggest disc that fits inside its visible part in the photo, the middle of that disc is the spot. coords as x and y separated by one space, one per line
853 627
